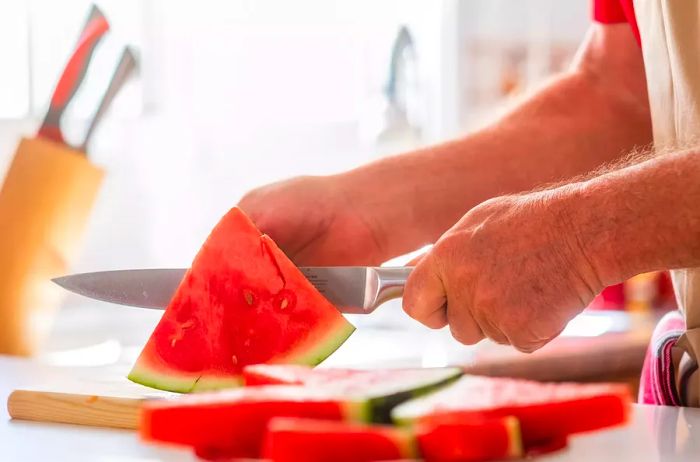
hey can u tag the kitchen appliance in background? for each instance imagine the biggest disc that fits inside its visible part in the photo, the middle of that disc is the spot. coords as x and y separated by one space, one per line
396 126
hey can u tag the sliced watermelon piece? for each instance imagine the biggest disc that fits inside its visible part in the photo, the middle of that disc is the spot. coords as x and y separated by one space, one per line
307 440
547 412
466 441
385 388
232 422
242 302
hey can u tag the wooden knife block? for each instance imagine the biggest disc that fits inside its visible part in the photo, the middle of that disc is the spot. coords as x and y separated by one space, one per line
45 202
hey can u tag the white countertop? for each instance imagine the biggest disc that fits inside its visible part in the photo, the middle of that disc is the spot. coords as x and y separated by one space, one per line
655 433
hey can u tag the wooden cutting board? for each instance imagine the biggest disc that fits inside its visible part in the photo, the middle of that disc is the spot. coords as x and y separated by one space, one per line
74 408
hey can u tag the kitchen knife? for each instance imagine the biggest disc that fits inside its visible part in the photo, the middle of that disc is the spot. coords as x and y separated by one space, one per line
127 65
73 74
352 289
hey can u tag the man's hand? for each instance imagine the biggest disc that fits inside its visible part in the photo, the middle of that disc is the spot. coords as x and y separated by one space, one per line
511 270
315 221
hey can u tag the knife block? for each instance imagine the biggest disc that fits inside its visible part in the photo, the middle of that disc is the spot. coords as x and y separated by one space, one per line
45 202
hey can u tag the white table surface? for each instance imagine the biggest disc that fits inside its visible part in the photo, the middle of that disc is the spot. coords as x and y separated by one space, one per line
655 433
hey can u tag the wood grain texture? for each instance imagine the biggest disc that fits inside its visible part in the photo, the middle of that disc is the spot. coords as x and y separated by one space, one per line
79 409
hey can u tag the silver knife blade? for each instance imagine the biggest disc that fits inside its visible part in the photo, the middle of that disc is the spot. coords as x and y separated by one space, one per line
352 289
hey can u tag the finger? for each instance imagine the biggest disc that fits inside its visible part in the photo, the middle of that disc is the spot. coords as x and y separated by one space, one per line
541 341
424 295
524 340
529 347
490 330
462 324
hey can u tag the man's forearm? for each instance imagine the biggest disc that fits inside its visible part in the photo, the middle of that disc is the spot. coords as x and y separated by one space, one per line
641 218
583 119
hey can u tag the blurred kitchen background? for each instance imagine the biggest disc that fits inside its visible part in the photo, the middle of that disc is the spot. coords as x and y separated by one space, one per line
234 94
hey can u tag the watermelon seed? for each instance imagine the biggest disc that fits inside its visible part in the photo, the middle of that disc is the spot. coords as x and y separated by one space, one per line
284 303
246 343
187 324
248 295
173 341
234 360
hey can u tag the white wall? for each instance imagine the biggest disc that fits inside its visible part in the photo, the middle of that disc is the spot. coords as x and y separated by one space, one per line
241 93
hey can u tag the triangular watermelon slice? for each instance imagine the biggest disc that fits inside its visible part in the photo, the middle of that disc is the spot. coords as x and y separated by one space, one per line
233 422
307 440
547 412
242 302
385 388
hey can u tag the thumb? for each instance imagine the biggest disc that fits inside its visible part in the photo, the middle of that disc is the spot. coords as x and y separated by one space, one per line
424 297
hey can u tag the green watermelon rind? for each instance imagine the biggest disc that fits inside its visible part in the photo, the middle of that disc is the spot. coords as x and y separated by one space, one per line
171 380
381 408
357 410
168 381
515 438
316 355
407 443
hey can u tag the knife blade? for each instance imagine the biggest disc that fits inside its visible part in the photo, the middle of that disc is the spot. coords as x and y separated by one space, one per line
352 289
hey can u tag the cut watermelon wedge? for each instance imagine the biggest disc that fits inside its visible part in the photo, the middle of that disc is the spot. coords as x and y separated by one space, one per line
231 423
242 302
385 388
306 440
467 441
547 412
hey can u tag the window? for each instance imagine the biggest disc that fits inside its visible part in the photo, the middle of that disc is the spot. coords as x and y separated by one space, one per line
36 38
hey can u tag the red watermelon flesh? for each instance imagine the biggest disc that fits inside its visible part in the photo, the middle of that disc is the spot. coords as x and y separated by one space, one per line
232 423
466 441
307 440
242 302
546 411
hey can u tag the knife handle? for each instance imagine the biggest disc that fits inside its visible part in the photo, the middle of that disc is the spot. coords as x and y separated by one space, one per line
73 74
391 282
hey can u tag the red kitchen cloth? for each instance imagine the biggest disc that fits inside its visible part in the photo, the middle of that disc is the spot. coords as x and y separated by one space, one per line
657 384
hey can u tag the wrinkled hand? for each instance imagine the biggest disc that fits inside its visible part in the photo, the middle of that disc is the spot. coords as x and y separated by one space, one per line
316 221
511 270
